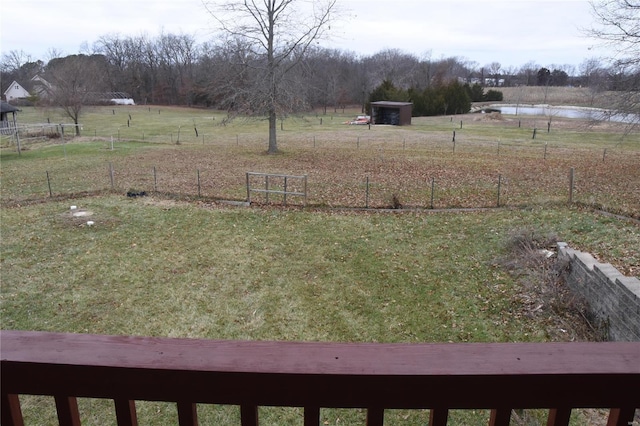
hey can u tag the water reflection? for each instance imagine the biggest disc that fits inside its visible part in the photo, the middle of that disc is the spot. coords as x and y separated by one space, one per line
566 112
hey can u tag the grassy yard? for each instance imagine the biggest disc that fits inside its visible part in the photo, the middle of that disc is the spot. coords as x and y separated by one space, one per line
181 265
154 267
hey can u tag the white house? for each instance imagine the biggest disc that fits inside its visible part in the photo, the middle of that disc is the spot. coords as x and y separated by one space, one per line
15 91
41 87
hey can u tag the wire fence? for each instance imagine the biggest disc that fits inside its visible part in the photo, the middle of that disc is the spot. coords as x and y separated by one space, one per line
358 192
416 169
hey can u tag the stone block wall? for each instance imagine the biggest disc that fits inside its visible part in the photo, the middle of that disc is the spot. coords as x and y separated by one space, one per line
614 299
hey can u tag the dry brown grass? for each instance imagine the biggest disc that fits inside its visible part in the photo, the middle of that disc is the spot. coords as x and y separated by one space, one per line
401 164
574 96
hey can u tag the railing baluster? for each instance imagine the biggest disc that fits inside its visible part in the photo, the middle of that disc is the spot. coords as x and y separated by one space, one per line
559 417
621 416
11 412
438 417
67 407
126 412
248 415
375 416
584 375
500 417
311 416
187 414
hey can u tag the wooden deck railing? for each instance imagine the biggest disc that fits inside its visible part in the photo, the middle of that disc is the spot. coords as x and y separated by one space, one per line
439 377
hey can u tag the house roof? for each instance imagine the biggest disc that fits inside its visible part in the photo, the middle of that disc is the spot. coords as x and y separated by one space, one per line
391 103
7 107
13 83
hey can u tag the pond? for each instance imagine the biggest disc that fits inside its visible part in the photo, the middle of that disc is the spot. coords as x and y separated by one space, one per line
565 112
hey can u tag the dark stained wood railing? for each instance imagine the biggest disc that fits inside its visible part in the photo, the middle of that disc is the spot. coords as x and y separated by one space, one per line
439 377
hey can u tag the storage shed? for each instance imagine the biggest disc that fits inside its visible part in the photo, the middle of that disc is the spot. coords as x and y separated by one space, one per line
395 113
7 126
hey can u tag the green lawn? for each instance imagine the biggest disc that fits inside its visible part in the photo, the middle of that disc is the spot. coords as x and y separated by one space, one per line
158 268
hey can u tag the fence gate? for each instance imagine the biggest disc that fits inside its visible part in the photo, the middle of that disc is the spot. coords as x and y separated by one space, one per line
281 185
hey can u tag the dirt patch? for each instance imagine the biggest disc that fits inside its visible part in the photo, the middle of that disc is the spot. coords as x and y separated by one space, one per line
78 217
492 116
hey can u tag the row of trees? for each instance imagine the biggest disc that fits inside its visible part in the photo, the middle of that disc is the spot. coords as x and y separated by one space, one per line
174 69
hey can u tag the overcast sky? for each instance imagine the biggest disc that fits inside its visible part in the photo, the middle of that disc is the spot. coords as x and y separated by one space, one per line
511 32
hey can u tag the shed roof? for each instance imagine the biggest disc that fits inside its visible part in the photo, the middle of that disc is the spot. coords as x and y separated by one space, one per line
391 103
7 107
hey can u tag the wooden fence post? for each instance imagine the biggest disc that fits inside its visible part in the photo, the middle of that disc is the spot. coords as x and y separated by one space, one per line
49 184
198 170
17 134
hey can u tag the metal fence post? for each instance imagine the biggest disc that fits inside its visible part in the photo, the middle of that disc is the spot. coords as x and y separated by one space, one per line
433 186
571 176
248 190
366 200
285 191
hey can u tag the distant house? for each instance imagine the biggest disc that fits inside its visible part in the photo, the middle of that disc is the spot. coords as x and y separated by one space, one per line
41 87
7 125
15 91
119 98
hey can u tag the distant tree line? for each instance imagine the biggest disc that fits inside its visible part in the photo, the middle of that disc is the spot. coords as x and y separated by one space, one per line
173 69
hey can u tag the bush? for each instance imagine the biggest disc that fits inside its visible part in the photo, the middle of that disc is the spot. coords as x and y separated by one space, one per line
531 257
450 98
475 92
493 95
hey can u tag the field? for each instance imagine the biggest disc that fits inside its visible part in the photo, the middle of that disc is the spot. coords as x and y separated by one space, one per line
184 262
575 96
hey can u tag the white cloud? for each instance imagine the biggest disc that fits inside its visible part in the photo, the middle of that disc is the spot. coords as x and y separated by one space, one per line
510 32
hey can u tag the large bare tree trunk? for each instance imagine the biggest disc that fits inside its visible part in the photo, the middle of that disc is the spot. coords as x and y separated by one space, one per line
273 144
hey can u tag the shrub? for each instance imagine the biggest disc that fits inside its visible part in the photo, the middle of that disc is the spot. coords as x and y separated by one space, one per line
531 257
493 95
475 92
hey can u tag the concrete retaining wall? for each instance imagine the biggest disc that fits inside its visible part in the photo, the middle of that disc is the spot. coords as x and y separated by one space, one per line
613 298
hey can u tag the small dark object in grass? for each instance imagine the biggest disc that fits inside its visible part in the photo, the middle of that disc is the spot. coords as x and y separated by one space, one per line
134 194
395 202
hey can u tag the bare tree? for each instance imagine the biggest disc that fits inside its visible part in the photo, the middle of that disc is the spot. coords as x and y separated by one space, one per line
279 32
528 73
494 72
74 82
13 60
392 65
618 26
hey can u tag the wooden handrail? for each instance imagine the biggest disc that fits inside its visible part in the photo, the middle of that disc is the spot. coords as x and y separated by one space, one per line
440 377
